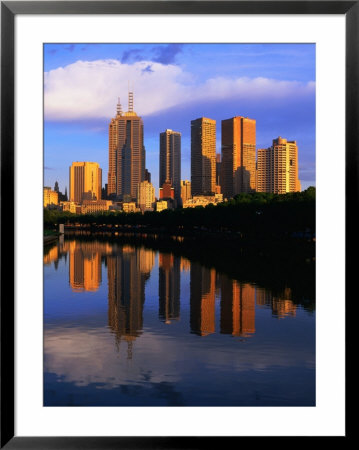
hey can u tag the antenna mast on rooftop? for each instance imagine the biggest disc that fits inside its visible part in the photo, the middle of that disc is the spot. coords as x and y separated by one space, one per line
130 98
119 107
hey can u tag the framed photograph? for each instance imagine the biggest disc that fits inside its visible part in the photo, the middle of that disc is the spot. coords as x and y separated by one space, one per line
175 182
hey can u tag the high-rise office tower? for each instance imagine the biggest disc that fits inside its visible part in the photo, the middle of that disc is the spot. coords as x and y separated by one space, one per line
126 154
85 181
277 167
170 160
203 156
238 166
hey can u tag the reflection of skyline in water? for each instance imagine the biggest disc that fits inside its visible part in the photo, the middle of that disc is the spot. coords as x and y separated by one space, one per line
127 270
127 325
129 267
169 287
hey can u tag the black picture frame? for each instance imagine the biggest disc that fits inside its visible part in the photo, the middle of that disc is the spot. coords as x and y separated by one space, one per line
8 12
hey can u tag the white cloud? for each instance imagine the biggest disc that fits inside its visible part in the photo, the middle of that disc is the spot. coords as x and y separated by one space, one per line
89 90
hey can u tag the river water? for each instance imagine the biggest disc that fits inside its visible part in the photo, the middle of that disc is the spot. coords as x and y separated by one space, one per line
134 325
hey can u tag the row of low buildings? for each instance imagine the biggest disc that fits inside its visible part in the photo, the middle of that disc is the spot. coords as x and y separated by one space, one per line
240 168
145 200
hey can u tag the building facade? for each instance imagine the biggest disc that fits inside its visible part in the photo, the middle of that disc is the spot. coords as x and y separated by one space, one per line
85 181
161 205
170 160
128 207
95 206
185 191
277 167
126 154
167 191
238 166
203 200
145 195
50 197
203 156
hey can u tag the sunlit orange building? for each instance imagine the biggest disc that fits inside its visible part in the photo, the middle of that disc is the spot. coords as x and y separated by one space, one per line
50 197
85 181
185 191
203 156
238 166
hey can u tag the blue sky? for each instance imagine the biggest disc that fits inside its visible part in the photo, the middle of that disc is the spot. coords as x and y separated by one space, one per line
174 84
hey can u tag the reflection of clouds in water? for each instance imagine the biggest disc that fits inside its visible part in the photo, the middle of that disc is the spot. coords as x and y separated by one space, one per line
84 356
90 356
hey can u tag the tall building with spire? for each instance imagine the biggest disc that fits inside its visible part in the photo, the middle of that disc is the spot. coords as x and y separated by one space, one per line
170 161
126 168
238 166
203 156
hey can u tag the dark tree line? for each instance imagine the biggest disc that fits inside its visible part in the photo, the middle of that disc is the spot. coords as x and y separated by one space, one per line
248 215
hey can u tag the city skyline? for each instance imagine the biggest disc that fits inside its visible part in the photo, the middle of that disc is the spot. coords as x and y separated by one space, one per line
273 84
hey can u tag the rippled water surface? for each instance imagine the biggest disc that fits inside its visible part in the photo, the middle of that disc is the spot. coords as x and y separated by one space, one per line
128 325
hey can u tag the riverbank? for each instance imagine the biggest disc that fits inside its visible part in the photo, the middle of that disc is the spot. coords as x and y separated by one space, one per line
50 239
50 236
197 232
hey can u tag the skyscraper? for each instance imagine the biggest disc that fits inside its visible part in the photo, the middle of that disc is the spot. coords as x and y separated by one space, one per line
238 167
277 167
203 156
85 181
170 160
126 156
